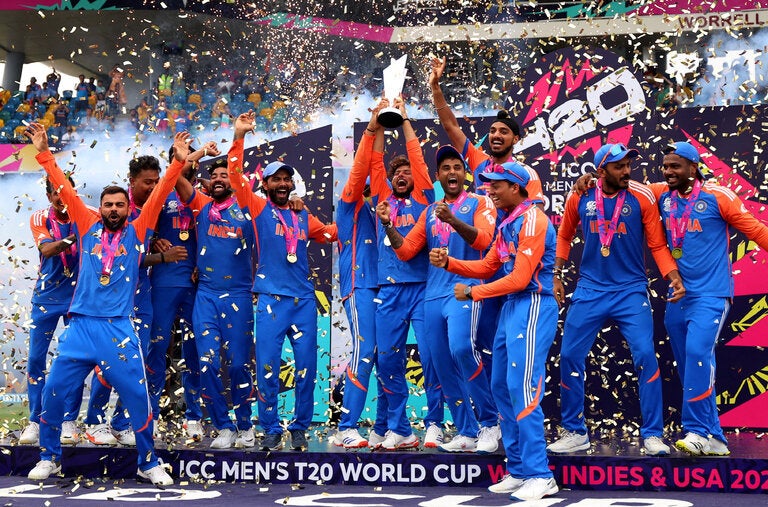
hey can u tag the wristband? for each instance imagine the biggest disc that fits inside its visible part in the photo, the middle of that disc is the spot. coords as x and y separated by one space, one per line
441 107
370 130
162 258
406 119
388 225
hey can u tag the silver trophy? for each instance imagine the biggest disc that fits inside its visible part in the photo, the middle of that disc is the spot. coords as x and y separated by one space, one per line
394 79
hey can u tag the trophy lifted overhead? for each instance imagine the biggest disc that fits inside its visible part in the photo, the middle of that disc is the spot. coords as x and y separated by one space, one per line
394 79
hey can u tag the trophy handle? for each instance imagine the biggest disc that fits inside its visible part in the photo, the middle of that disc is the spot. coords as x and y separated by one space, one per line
390 118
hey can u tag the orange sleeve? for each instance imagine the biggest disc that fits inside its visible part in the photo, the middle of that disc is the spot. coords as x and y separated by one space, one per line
151 210
567 230
379 188
484 221
416 239
482 269
474 156
325 233
655 236
420 172
40 232
197 202
657 189
76 209
526 264
353 189
733 211
240 184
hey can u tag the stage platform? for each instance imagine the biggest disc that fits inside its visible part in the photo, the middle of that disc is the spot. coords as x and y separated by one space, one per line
610 464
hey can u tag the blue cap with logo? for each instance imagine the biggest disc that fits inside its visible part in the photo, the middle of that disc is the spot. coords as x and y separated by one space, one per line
448 151
613 153
273 167
688 152
509 171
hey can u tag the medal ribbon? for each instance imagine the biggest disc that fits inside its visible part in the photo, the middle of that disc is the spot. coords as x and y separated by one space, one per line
133 212
501 244
109 249
443 229
185 218
291 234
214 213
680 226
606 231
395 205
57 236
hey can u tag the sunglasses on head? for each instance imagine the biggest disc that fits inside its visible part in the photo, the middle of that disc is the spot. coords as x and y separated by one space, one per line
500 169
615 150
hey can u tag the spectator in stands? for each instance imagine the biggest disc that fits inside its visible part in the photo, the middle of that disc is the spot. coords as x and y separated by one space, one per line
32 95
81 94
61 119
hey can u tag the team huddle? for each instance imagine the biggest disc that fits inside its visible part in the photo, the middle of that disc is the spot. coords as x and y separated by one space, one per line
477 275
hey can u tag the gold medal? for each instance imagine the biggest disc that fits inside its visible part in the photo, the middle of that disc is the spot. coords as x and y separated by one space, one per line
387 242
183 235
292 258
67 272
104 279
677 253
605 251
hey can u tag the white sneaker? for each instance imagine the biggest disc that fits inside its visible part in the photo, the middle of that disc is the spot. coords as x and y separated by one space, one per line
655 446
70 433
433 436
156 475
194 430
245 439
349 438
459 443
508 484
44 469
125 437
30 435
569 441
717 447
375 440
225 439
536 489
100 434
488 439
395 441
694 444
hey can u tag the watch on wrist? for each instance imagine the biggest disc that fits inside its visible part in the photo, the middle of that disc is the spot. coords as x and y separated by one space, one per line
468 291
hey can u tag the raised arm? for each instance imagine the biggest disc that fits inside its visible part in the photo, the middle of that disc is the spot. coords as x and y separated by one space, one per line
76 209
240 184
353 189
447 118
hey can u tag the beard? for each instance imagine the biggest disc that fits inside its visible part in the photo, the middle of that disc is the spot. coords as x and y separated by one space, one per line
279 196
113 221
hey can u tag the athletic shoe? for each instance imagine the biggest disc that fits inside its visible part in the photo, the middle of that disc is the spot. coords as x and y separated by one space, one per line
717 447
395 441
299 440
433 436
245 439
693 444
508 484
194 430
349 438
459 443
224 440
30 435
44 469
100 434
535 489
156 475
569 441
272 442
375 440
70 433
125 437
488 439
655 446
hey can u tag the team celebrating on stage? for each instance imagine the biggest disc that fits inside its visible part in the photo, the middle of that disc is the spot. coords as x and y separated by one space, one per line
477 275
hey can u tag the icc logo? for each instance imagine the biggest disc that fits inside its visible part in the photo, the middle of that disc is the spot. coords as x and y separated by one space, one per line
591 208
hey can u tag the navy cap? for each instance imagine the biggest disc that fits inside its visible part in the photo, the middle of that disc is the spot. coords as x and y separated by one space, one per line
508 171
273 167
448 151
613 153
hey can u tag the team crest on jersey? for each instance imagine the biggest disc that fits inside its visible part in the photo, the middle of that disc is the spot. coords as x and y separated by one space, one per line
173 205
701 207
464 209
665 206
237 214
626 210
591 208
